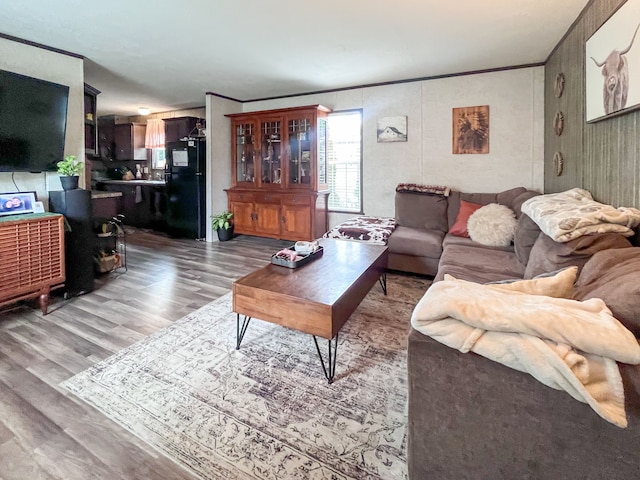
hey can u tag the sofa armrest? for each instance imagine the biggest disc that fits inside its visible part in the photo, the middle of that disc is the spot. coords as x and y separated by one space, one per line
470 417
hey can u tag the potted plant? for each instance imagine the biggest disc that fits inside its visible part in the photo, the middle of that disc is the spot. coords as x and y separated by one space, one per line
223 224
69 168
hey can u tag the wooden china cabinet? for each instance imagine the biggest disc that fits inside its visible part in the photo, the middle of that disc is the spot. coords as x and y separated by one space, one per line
279 173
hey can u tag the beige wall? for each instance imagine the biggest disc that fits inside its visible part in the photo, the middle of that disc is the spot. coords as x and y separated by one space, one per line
53 67
218 155
516 153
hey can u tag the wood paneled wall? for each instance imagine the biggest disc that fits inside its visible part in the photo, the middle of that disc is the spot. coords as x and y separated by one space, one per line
602 157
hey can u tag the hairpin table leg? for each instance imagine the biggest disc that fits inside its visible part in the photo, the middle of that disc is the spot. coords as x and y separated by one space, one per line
241 329
330 369
383 282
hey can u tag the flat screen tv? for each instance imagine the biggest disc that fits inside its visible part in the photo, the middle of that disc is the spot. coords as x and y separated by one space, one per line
33 120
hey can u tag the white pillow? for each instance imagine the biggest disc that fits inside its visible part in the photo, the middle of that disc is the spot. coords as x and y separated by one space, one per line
493 225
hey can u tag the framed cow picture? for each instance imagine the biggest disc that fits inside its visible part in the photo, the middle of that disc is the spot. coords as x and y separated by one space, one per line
612 65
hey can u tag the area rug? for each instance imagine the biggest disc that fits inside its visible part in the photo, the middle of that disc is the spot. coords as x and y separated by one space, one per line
266 411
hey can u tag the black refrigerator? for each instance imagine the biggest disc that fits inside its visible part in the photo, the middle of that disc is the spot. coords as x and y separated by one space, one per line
185 187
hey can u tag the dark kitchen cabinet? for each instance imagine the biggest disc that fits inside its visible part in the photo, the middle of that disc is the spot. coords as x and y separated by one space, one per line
180 127
129 141
106 144
90 120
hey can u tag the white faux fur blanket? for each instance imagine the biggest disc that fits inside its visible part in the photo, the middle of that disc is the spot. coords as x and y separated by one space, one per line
568 215
565 344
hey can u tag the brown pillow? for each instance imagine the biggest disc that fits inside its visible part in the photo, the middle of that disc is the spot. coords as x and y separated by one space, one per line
548 255
460 227
612 275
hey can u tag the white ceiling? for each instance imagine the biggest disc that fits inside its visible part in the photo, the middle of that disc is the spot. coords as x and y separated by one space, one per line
167 54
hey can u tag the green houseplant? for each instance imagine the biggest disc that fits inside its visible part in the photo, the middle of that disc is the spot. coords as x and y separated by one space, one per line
223 225
69 170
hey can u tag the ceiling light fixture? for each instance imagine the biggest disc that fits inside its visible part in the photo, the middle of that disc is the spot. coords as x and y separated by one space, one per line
144 111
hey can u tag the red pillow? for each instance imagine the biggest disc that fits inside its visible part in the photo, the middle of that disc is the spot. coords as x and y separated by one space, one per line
459 228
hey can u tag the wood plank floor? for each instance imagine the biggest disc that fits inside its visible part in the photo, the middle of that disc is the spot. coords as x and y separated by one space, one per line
46 432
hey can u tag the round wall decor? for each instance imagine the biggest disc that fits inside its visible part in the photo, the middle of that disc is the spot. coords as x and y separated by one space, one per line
558 123
558 85
558 163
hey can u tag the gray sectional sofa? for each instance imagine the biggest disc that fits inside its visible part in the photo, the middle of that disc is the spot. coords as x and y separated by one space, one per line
473 418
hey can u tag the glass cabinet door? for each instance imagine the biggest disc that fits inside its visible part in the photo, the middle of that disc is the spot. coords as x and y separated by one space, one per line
323 178
270 152
300 151
245 154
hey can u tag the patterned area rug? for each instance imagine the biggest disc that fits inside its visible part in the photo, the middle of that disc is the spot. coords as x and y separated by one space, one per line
266 411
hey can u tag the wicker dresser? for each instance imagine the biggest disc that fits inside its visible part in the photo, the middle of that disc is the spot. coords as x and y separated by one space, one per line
31 257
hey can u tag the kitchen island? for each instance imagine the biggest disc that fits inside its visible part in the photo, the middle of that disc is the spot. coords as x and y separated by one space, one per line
142 202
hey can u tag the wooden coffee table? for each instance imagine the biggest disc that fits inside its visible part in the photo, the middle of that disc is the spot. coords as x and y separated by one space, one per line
317 298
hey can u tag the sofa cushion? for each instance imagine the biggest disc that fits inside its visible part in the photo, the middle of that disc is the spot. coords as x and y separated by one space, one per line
508 196
548 255
612 275
456 240
526 235
516 205
422 211
417 242
460 226
479 264
493 225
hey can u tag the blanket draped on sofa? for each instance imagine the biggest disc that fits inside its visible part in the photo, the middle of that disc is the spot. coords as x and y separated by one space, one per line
574 213
565 344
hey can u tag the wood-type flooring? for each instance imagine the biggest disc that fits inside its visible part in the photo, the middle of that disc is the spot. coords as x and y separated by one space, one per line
47 433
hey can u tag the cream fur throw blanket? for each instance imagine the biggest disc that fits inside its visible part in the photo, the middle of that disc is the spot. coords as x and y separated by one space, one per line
565 344
571 214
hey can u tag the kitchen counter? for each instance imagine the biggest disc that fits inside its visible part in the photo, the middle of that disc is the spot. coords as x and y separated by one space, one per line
96 194
158 183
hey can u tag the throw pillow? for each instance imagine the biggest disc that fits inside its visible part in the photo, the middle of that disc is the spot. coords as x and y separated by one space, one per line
493 225
459 228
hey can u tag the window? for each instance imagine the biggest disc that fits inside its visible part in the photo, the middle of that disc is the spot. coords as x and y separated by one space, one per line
344 160
158 161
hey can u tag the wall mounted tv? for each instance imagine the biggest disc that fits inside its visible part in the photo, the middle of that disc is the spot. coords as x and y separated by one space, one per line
33 121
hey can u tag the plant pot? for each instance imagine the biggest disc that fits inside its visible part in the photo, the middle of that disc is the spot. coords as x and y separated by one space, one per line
225 234
69 183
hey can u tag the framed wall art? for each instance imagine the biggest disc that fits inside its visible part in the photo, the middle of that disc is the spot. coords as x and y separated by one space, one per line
612 65
471 129
392 129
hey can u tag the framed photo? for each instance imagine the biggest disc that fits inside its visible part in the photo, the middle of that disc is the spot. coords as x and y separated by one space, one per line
15 203
470 129
612 65
392 129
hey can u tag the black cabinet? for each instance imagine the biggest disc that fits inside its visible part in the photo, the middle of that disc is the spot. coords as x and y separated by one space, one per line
79 240
180 127
128 139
